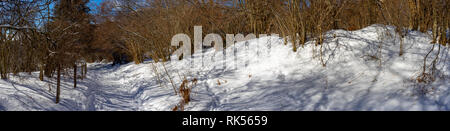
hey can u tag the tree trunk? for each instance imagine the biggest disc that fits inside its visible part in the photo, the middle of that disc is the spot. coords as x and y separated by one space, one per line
401 45
435 22
74 75
3 65
85 70
58 84
41 72
2 71
414 11
445 29
49 68
82 72
294 15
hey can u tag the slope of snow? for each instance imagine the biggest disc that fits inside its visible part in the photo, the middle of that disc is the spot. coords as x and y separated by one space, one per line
270 77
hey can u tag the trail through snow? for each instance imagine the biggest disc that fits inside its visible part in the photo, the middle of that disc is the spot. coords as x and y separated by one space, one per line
103 93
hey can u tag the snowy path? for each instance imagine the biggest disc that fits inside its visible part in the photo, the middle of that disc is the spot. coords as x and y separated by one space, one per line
104 92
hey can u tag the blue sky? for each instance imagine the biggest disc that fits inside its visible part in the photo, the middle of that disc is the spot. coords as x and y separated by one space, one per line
96 1
93 4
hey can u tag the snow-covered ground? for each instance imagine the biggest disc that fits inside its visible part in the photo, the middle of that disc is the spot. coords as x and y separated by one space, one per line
273 77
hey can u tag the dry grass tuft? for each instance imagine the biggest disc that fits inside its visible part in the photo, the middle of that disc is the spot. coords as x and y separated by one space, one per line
185 93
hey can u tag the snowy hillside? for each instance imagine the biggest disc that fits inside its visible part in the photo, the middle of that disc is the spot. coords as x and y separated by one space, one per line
357 76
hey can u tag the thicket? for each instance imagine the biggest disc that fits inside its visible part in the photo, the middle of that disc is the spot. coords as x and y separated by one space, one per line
146 27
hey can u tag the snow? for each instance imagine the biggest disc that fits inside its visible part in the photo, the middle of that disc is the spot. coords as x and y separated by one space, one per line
275 79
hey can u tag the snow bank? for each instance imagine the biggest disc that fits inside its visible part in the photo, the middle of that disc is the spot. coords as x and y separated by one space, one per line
358 76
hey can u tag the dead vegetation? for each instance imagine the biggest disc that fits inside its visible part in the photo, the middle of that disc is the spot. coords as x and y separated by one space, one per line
185 91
